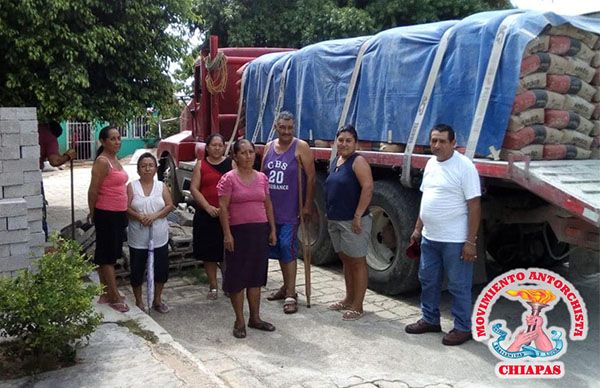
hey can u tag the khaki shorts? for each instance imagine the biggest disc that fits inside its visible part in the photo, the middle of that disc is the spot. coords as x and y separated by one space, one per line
346 241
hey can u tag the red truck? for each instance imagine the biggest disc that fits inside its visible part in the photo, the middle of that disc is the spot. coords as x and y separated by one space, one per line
535 213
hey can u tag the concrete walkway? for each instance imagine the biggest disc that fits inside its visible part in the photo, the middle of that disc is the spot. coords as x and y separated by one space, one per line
127 350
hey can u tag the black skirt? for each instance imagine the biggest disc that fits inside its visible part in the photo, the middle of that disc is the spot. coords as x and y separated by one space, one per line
110 235
208 237
246 266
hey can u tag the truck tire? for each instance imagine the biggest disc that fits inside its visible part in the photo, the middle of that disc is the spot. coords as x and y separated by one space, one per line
394 210
168 175
321 248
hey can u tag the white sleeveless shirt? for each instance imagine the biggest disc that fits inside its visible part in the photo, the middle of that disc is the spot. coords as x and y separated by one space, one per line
138 235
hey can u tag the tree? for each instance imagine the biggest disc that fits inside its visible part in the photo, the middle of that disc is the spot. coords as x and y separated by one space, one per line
296 23
89 59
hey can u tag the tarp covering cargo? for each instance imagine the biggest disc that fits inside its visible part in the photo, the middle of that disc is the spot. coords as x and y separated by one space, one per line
393 74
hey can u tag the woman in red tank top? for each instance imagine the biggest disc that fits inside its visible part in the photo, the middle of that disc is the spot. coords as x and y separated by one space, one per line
208 235
107 200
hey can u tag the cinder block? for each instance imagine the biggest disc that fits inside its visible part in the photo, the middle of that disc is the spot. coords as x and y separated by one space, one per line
31 189
12 207
5 250
17 223
10 126
30 138
15 191
36 252
31 151
34 201
3 223
10 153
11 178
10 139
15 263
13 236
13 166
28 113
35 226
30 164
37 239
19 249
29 126
32 176
34 214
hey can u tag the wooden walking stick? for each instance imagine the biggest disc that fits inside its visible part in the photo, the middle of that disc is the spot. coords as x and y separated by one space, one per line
306 253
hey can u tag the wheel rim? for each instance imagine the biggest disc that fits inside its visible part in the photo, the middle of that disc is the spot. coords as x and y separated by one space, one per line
383 244
313 228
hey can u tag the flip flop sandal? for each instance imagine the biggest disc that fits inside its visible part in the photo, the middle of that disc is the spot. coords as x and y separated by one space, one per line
277 295
212 294
162 308
338 306
352 315
262 325
239 333
290 305
119 306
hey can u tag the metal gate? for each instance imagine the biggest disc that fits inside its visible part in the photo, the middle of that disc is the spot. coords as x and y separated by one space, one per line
82 137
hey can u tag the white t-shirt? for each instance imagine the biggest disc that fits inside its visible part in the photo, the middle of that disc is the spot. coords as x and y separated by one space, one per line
446 188
138 235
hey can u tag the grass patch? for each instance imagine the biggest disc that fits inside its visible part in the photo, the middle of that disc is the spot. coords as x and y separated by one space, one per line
135 328
198 274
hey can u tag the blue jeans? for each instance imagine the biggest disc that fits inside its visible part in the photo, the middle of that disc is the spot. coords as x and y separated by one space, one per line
435 258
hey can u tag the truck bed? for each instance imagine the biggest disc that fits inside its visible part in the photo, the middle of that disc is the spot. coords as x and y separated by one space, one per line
573 185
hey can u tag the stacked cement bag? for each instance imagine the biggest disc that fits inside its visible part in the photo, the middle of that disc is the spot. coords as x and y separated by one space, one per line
556 111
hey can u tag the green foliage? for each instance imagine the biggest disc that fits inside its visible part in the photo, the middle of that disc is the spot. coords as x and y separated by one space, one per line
89 59
296 23
50 311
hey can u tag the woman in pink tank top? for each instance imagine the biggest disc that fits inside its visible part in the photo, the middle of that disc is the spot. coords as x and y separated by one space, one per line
107 200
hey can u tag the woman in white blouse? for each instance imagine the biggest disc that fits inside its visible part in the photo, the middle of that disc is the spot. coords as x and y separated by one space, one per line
148 206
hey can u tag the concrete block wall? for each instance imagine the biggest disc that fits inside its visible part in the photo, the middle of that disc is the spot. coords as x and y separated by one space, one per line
21 236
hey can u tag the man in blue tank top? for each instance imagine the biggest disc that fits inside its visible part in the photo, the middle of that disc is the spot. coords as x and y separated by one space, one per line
280 164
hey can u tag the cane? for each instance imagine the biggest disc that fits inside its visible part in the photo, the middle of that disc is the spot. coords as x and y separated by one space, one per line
306 253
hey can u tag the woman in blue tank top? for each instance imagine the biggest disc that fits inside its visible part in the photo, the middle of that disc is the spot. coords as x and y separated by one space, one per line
349 188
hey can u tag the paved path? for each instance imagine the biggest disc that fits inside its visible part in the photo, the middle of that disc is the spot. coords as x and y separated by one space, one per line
315 348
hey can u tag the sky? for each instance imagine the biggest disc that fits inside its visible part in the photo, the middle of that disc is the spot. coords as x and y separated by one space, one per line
562 7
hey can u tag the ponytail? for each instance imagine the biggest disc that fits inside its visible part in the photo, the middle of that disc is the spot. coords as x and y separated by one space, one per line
99 151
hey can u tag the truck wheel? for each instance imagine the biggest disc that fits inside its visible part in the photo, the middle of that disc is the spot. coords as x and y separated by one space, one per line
321 248
168 176
394 210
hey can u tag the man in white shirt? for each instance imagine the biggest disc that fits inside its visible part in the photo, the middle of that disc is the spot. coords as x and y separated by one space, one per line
447 229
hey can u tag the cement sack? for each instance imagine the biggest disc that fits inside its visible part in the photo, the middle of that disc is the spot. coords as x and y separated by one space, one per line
596 97
595 62
596 112
580 69
578 105
534 151
596 129
526 118
537 44
533 81
544 63
535 134
589 38
566 119
564 151
596 79
570 47
568 84
575 138
538 98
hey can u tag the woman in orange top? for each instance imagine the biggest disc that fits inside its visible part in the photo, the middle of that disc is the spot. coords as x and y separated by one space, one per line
107 200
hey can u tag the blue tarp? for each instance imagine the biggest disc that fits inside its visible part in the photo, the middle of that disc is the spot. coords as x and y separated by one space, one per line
393 74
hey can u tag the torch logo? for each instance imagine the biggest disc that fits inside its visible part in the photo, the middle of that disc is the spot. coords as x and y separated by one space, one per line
531 349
